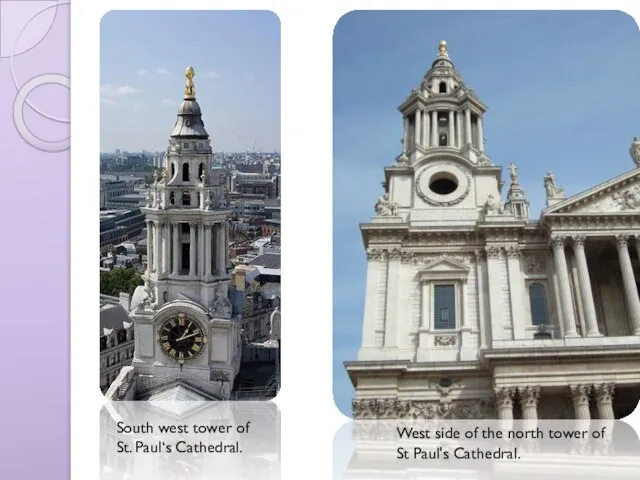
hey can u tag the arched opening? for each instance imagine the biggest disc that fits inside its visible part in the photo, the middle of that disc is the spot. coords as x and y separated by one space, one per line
186 199
538 302
200 170
172 198
185 172
173 169
442 87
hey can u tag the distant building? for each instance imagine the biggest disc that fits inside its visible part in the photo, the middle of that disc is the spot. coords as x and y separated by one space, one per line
117 226
116 340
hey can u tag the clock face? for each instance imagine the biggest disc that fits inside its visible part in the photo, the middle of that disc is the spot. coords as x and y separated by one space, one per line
182 338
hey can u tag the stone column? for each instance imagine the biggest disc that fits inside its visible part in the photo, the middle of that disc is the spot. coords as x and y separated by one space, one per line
604 400
426 120
192 249
565 289
176 249
529 397
434 128
580 399
451 140
405 137
220 250
418 129
376 262
585 287
200 250
458 130
630 288
225 226
207 250
504 403
155 247
166 245
149 246
467 126
480 135
160 242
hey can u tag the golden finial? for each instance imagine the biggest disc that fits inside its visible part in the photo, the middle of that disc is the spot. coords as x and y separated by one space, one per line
189 89
442 49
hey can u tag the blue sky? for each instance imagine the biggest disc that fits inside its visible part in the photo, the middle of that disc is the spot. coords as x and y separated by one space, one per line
563 92
236 56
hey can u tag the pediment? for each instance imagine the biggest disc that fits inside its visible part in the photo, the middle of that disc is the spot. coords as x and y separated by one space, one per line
445 265
444 269
620 195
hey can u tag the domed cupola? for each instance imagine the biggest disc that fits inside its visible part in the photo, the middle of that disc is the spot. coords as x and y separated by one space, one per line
189 124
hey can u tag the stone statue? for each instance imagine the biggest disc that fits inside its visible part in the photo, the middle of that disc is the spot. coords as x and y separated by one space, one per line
635 151
385 207
514 173
402 159
628 199
550 186
442 49
221 307
149 299
189 89
492 206
155 177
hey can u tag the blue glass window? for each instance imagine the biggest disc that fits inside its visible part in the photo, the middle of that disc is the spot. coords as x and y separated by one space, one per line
444 307
538 300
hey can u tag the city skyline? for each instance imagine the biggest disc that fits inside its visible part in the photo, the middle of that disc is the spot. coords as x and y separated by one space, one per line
547 96
237 78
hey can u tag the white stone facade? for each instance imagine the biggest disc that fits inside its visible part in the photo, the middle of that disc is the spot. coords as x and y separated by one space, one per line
474 310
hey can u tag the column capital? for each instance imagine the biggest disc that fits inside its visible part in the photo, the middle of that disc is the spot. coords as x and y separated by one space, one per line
504 396
529 395
557 241
193 224
604 392
513 251
579 394
493 251
480 254
579 240
622 240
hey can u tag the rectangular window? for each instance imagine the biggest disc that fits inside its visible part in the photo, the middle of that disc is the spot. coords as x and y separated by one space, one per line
444 307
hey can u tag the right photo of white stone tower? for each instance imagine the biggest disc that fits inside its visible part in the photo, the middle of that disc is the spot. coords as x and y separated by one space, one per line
487 265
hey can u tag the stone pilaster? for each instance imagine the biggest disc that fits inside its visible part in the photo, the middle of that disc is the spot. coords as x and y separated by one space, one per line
176 249
418 128
207 251
192 249
434 128
451 141
149 246
467 126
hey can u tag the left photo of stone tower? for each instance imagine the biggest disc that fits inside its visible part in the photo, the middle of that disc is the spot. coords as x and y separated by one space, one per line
190 205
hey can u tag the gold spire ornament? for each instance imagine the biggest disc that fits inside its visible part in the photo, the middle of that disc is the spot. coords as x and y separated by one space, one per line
442 49
189 89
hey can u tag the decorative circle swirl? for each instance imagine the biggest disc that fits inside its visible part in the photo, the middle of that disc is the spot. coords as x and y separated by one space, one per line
18 113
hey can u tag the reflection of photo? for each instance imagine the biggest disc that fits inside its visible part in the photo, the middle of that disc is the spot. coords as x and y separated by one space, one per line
502 258
190 214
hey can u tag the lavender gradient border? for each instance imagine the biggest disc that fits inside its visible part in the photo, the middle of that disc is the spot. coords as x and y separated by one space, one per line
34 404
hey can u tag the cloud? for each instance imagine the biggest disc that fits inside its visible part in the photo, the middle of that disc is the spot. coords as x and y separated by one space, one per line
162 71
169 102
108 101
249 77
211 74
109 90
142 71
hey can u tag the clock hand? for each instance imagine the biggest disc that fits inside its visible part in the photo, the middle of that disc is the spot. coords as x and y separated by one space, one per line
184 337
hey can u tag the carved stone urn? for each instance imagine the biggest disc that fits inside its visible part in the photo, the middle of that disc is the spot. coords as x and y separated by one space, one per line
635 151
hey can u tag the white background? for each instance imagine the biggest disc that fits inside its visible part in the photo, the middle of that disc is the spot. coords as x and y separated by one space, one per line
309 416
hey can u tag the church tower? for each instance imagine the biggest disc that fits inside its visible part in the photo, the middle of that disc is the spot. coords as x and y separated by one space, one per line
186 329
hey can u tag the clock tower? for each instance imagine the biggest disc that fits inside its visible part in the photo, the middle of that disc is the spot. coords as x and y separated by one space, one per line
186 330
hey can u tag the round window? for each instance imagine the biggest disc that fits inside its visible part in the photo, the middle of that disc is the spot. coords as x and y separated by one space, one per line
443 183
